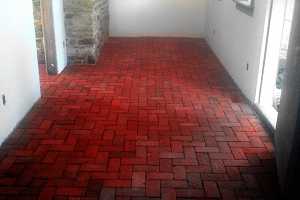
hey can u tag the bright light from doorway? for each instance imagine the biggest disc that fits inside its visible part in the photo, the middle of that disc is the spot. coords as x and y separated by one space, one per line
275 60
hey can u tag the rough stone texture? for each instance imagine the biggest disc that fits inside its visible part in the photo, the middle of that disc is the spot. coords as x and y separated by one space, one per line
86 28
101 24
79 30
39 30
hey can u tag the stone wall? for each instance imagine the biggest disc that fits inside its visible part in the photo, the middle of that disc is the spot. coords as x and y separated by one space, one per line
101 24
79 30
39 30
86 29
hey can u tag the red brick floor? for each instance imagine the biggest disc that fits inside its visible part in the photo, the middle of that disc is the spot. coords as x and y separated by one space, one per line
155 119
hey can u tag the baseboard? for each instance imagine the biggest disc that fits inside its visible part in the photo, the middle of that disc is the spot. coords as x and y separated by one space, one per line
266 124
2 140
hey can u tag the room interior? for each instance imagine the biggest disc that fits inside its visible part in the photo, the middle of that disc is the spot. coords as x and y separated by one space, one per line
149 99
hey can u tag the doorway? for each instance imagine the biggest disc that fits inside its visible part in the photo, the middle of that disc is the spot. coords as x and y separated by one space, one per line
281 18
50 35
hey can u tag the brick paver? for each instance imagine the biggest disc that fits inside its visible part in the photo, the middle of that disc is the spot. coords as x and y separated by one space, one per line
155 119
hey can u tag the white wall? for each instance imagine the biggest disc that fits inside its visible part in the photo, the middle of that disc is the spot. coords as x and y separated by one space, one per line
179 18
19 79
60 34
237 38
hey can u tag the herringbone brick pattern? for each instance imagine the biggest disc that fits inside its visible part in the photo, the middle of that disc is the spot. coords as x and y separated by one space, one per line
155 119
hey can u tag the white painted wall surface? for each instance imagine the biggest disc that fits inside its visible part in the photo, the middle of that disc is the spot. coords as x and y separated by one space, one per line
177 18
236 39
19 78
60 34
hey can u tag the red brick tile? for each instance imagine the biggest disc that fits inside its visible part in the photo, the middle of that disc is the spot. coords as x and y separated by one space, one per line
93 186
211 189
10 190
116 183
194 180
217 166
165 165
189 193
185 161
221 156
171 155
237 163
105 175
70 191
147 143
160 175
126 171
107 194
92 167
108 135
146 168
50 157
207 149
7 181
153 188
138 179
189 152
174 183
238 153
133 161
214 177
71 171
114 165
153 157
156 118
102 157
228 194
52 142
177 147
46 124
179 173
168 194
91 151
198 169
130 192
47 193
